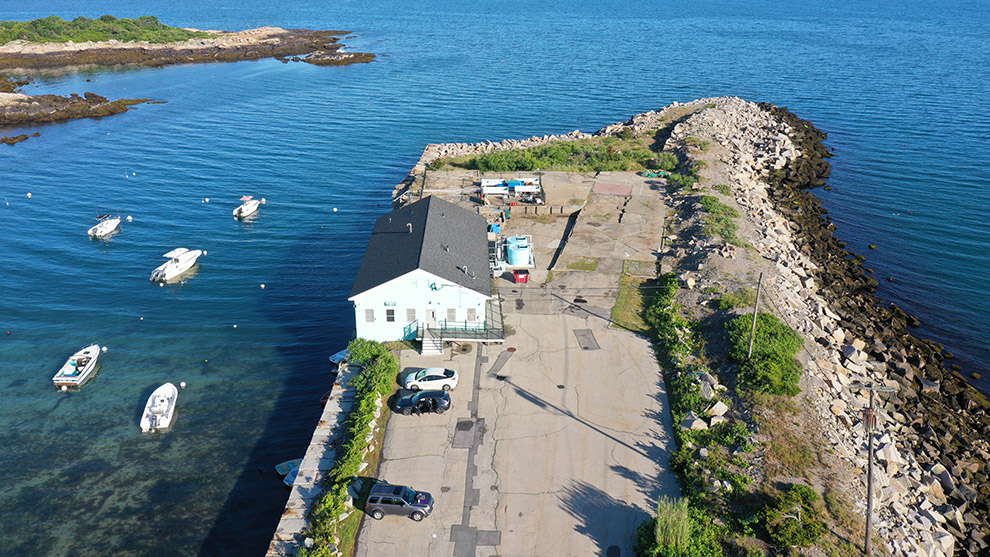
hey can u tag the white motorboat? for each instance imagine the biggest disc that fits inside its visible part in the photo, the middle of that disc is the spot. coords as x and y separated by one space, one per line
104 227
179 261
160 408
249 206
78 367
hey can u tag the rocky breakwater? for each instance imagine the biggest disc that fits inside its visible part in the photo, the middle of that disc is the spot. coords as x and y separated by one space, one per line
321 47
932 437
434 151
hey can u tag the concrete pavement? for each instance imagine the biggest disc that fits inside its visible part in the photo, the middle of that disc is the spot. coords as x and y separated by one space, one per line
559 451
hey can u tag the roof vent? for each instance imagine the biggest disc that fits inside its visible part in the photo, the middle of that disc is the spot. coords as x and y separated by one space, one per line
409 224
444 248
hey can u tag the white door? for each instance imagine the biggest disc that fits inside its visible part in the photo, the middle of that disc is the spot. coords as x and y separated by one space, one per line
431 318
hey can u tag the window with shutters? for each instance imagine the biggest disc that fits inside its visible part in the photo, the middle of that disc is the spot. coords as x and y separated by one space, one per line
390 315
472 314
451 314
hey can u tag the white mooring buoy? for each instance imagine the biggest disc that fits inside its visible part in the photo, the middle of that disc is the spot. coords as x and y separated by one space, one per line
130 218
183 384
334 209
104 349
262 286
64 388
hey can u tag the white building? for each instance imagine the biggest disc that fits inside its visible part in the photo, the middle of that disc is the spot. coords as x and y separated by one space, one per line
425 276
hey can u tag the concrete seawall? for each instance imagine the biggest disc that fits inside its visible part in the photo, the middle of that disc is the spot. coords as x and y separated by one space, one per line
319 459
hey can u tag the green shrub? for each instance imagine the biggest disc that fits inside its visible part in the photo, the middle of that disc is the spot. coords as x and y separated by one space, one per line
745 298
722 188
793 519
719 220
704 539
626 134
665 161
682 180
107 27
725 433
587 155
373 381
772 368
696 142
715 206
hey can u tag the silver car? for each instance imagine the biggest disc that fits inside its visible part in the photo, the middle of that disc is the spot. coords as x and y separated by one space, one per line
432 379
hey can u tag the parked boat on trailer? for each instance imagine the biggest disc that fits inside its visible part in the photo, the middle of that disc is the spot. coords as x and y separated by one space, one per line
105 227
249 206
179 261
160 409
78 368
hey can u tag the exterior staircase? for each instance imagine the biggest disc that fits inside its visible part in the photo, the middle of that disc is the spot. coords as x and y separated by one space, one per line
432 342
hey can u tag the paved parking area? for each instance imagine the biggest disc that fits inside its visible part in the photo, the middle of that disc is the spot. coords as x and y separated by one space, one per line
559 447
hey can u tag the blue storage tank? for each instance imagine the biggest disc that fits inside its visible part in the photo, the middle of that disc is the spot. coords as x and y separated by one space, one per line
518 254
517 240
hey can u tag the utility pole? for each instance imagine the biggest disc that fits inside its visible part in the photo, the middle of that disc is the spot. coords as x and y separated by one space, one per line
870 420
756 310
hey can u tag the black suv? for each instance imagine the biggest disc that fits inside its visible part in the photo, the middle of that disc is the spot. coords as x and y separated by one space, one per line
423 402
398 499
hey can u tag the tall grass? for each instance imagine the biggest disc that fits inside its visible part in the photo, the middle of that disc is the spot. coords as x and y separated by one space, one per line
673 530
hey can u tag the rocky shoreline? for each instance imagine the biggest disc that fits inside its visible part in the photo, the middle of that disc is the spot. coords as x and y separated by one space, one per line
932 486
17 109
932 489
321 48
306 45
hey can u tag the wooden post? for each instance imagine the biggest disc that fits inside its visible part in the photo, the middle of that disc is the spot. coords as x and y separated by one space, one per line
869 421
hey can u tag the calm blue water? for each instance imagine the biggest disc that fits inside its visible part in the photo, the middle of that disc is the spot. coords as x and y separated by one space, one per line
900 89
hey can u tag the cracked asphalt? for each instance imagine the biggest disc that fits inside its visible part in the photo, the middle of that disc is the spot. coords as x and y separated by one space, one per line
563 450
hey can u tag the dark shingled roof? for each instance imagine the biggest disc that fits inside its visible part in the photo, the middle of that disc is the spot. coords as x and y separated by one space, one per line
433 235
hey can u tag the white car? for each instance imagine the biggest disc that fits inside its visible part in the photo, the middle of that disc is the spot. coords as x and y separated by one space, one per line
432 379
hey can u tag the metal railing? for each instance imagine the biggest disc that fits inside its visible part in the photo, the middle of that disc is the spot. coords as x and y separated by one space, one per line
490 330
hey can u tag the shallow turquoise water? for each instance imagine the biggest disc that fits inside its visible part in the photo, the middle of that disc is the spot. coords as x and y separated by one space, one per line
899 89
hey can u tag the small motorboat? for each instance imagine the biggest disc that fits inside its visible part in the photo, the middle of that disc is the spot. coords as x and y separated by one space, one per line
290 478
160 408
283 469
179 261
105 226
249 206
78 367
339 360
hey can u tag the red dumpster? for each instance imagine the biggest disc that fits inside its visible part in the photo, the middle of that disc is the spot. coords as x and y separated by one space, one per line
520 276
